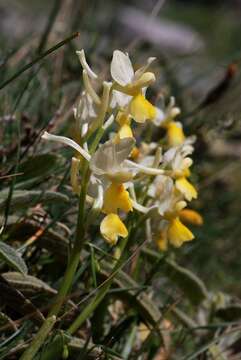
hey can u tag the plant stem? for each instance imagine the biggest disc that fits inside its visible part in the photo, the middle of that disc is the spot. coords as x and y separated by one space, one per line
75 253
71 269
30 352
99 296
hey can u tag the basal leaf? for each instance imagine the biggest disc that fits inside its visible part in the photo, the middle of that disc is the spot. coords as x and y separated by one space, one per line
12 258
26 198
38 166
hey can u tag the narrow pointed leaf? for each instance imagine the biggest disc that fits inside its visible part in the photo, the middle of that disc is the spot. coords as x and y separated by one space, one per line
12 258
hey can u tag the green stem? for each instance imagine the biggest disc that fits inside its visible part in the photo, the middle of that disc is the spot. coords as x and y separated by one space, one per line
71 269
88 310
39 339
75 253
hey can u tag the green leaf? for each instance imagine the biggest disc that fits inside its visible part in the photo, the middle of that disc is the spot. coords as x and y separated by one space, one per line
28 284
12 258
38 166
26 198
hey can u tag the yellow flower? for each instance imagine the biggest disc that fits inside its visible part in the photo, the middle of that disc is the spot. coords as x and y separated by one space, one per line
175 134
125 132
135 153
111 227
116 198
141 109
125 129
191 217
161 240
177 233
123 118
172 231
186 188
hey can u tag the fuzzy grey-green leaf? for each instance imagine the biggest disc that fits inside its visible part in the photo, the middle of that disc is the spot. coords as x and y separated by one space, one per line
25 198
12 258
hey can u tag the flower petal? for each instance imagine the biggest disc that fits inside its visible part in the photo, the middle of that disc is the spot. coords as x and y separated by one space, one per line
143 169
191 217
175 134
82 59
186 188
143 69
178 233
121 68
119 99
109 157
67 141
141 109
116 198
111 227
125 132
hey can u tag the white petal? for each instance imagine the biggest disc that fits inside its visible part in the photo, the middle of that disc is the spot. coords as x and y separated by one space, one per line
89 88
144 169
98 203
121 68
159 118
84 129
109 157
82 59
119 99
169 155
143 69
85 111
67 141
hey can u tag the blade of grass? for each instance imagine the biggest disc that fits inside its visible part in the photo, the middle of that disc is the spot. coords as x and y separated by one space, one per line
38 58
38 341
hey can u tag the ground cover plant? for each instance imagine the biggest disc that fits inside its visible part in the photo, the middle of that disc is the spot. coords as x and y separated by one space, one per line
119 187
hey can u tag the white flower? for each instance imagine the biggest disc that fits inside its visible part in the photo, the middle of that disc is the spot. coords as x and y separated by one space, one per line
168 113
85 112
108 160
123 73
177 158
119 99
133 87
162 191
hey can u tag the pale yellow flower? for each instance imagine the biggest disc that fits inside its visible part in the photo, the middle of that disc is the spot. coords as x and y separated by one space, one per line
116 198
175 134
186 188
133 85
191 217
112 227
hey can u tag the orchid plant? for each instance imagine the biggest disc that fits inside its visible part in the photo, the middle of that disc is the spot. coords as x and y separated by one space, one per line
107 176
116 165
